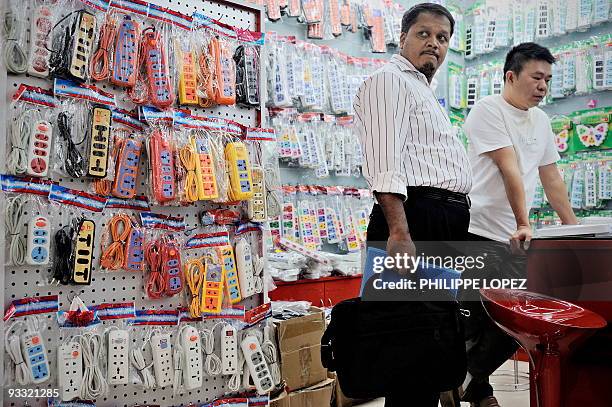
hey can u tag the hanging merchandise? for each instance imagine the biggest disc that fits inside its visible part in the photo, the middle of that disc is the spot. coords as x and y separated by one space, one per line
332 8
559 17
15 38
556 84
503 25
585 14
592 128
42 21
336 81
563 129
569 72
543 29
601 11
373 23
456 92
248 67
479 28
472 85
530 17
125 61
457 41
294 70
273 10
583 68
312 11
277 74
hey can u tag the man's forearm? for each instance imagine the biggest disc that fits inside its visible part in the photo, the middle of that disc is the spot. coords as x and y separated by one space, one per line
393 209
556 192
515 192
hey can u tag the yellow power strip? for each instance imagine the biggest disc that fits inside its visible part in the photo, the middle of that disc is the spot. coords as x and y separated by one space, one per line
187 79
83 252
228 264
83 43
212 288
205 169
99 141
257 205
241 180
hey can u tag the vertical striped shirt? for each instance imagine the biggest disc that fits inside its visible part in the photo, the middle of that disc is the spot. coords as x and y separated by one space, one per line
406 135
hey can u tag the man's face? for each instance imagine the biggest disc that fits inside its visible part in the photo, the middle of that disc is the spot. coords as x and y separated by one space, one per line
426 43
530 86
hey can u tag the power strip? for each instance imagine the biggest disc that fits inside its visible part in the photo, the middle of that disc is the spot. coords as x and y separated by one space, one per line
187 78
161 94
205 169
39 237
171 268
257 204
241 180
260 373
35 353
192 347
126 170
134 252
125 62
212 288
39 149
228 264
244 263
70 370
229 350
162 162
118 357
38 63
83 252
161 347
99 142
82 45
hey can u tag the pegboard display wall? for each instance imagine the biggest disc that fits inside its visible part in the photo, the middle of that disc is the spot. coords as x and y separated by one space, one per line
30 281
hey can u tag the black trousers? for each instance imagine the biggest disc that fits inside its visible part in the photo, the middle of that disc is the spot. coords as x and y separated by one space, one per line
429 219
488 347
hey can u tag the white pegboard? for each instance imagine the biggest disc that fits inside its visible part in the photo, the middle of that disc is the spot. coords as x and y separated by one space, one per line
27 281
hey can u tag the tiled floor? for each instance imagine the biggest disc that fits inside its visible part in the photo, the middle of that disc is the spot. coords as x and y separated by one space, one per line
505 398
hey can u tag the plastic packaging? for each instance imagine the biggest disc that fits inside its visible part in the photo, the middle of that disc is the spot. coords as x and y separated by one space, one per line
248 67
15 38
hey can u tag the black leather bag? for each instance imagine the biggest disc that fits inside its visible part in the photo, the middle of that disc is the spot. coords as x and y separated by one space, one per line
378 348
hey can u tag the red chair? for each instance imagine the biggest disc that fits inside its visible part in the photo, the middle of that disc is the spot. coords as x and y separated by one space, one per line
549 329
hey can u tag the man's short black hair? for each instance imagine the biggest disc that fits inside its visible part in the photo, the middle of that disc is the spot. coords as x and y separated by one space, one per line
523 53
411 15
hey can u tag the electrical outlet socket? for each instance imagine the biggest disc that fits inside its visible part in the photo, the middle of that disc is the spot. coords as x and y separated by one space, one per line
229 350
39 233
118 360
256 362
244 263
39 149
161 347
70 370
35 355
192 348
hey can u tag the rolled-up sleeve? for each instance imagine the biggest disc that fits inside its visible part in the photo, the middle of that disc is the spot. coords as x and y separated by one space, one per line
377 116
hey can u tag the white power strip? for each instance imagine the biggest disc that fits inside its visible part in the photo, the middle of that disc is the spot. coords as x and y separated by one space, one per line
38 62
161 347
192 347
118 357
35 353
39 238
229 350
260 373
244 263
70 369
39 149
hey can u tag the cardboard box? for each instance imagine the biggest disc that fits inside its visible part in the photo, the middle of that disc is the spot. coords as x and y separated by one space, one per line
319 395
281 401
339 399
299 345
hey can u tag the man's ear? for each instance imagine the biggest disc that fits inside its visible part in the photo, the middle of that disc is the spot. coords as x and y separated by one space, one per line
510 76
402 39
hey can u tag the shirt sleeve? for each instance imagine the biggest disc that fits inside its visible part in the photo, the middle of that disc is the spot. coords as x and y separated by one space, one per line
485 128
380 103
551 155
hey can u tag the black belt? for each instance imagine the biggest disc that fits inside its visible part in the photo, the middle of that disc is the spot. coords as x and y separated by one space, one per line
439 195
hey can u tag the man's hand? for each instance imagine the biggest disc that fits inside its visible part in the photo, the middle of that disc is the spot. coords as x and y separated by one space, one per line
400 245
520 240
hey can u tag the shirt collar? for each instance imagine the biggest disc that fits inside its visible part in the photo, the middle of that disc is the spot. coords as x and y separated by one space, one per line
405 65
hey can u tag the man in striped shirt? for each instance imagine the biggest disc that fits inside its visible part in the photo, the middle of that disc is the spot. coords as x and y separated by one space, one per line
415 165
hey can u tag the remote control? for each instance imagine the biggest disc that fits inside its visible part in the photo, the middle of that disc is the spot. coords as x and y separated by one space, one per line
162 359
40 149
126 171
35 355
229 350
228 264
192 347
99 142
83 252
82 45
39 237
70 369
260 373
125 62
118 361
38 62
244 262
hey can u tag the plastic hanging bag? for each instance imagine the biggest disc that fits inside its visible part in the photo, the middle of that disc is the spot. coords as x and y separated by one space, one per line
15 38
248 67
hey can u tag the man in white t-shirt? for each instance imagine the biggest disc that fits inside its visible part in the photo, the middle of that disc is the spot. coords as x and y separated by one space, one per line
511 143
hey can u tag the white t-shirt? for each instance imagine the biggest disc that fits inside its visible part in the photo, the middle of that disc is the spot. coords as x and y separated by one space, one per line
492 124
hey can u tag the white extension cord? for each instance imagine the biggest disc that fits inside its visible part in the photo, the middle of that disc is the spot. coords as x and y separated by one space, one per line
138 361
212 362
270 353
14 56
94 383
13 217
21 127
235 380
12 344
177 383
258 267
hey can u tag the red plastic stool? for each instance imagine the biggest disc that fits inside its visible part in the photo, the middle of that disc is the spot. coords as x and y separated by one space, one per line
549 329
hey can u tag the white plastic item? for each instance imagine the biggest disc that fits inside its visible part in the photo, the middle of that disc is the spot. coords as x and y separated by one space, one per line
229 350
38 62
39 232
118 357
35 355
192 347
70 370
256 362
161 347
244 263
39 149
